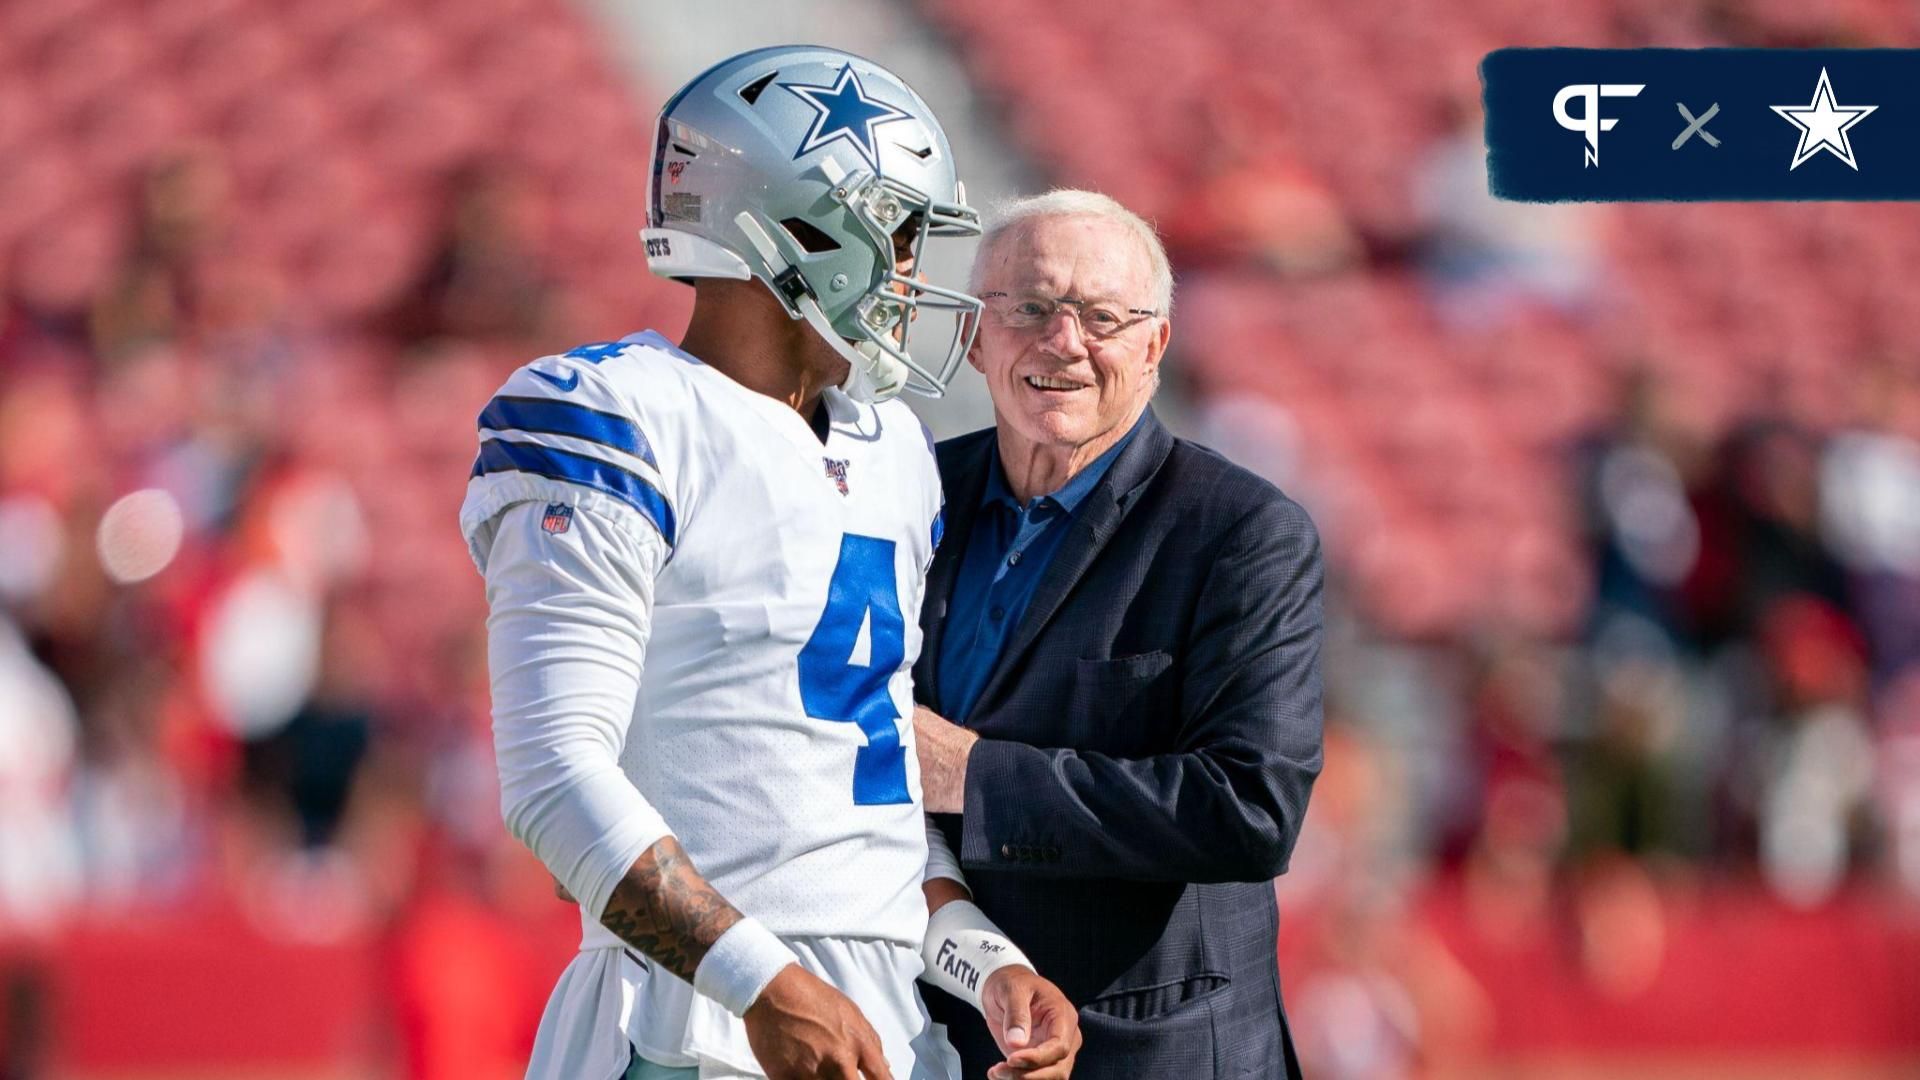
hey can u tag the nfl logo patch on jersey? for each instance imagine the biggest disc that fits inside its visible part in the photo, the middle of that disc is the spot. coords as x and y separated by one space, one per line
837 472
557 519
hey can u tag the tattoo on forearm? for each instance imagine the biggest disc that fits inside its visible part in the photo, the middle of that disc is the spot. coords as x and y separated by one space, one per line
664 908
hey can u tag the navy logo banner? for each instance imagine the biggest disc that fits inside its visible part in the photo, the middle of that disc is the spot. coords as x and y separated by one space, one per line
1692 124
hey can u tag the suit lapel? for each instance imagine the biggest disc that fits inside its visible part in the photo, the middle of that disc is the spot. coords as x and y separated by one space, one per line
963 483
1096 522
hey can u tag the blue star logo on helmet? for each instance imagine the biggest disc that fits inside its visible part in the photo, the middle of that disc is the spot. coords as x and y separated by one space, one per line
844 111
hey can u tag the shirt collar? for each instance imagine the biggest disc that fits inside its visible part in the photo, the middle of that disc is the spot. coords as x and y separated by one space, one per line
1069 495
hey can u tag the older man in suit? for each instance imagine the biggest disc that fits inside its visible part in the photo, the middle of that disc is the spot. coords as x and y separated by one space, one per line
1120 686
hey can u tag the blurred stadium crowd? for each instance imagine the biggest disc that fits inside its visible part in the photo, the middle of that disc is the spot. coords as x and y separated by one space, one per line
1623 505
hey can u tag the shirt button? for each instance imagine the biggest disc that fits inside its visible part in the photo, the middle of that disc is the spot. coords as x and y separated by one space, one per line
1013 559
997 614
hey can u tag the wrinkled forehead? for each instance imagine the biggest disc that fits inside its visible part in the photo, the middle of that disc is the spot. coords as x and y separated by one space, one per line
1079 256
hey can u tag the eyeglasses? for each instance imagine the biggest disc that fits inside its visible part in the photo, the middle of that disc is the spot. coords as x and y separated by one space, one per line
1098 319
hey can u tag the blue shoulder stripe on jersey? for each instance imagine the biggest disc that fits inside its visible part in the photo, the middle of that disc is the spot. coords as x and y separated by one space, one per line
551 417
499 456
939 525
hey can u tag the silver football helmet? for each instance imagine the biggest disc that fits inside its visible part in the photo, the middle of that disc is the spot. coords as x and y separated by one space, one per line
815 171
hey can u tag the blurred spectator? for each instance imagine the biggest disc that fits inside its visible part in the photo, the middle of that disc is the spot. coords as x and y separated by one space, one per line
1897 779
1770 492
1626 794
58 269
1635 480
1870 513
158 295
306 768
1513 712
1485 257
1819 762
1257 432
484 281
1379 994
39 868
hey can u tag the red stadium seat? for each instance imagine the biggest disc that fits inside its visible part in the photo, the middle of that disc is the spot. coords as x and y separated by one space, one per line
33 186
320 23
376 59
82 58
26 28
224 61
62 264
519 60
259 132
429 129
170 26
21 117
128 126
350 273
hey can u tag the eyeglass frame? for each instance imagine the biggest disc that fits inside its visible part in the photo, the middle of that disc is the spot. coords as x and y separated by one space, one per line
1079 307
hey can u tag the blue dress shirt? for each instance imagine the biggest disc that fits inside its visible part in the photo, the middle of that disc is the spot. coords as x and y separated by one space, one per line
1006 556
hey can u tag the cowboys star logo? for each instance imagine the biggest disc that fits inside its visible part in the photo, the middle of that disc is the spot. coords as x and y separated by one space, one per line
844 112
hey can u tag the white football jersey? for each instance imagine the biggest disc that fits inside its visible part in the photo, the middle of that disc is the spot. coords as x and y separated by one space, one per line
772 727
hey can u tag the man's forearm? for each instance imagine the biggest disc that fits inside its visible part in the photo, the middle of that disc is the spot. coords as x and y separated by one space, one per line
666 910
1197 817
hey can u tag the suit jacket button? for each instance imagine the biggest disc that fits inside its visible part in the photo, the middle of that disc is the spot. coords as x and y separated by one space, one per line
1006 851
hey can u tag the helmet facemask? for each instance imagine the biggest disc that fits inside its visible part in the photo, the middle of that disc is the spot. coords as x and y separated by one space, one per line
880 324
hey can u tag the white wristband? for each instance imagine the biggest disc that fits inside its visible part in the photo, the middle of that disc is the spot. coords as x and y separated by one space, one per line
963 948
740 965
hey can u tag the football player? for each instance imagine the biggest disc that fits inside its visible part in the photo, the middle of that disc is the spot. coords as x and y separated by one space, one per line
704 566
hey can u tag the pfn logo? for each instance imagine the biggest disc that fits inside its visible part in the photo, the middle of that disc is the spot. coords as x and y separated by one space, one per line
1589 123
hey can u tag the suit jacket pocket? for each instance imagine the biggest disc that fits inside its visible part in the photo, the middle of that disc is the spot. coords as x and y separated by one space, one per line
1123 669
1164 1031
1122 706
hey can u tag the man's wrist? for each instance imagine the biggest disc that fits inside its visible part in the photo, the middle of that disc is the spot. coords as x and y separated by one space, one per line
957 772
740 964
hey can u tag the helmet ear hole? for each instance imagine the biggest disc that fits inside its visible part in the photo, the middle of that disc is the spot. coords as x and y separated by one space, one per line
811 239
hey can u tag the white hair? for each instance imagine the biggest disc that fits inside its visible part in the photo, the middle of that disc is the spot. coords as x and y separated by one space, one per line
1073 202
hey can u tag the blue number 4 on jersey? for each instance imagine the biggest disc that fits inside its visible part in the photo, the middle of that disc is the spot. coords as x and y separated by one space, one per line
832 687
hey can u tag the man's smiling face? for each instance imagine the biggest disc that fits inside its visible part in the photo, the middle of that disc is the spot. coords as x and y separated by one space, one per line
1067 354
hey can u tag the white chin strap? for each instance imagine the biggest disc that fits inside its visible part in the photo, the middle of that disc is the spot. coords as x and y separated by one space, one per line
872 375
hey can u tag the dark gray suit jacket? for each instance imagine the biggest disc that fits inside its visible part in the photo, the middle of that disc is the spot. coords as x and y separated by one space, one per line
1149 737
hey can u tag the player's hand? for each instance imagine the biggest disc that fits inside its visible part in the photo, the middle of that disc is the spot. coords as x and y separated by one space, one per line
802 1029
1034 1024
